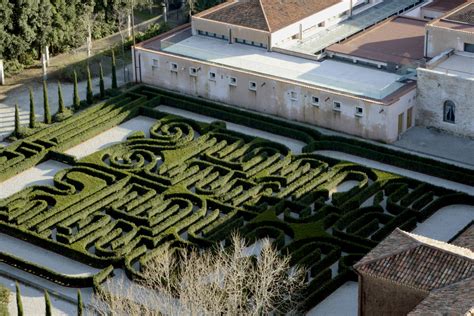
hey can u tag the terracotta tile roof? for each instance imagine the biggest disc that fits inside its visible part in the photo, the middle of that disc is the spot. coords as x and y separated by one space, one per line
267 15
464 15
466 238
281 13
444 5
418 262
454 299
249 14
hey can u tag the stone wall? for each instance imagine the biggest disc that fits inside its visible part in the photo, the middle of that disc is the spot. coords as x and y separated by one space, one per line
383 297
434 89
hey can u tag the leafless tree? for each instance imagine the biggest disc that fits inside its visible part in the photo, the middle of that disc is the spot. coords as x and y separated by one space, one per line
210 282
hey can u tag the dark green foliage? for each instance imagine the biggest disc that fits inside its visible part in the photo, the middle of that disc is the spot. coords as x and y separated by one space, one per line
46 109
90 93
114 72
27 26
80 305
17 121
4 300
61 106
19 303
76 101
101 82
192 183
47 300
32 110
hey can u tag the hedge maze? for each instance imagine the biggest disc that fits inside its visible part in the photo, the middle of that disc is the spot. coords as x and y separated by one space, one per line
191 184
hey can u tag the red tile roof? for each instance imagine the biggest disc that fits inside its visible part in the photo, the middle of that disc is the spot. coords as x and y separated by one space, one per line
417 261
266 15
443 270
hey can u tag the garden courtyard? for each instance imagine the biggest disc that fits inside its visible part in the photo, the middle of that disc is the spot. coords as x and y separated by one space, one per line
94 197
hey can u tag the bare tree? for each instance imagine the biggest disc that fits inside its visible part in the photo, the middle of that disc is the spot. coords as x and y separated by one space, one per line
209 282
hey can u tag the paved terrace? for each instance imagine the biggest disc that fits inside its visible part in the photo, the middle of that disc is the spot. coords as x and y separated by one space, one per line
321 40
340 76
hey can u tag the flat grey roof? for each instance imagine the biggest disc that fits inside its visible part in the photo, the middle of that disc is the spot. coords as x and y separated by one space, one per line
349 27
345 77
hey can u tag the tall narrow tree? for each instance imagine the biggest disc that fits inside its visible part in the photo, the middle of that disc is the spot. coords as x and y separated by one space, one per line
61 107
17 121
32 110
47 301
80 307
101 81
90 95
76 101
19 303
47 112
114 72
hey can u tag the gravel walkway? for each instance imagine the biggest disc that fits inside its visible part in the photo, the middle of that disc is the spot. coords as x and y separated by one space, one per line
342 302
43 257
112 136
42 174
403 172
446 222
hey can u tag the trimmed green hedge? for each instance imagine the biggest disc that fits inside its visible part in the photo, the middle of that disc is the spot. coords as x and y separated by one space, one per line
193 184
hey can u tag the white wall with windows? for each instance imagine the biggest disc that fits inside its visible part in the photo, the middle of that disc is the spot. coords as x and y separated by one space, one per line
320 20
367 118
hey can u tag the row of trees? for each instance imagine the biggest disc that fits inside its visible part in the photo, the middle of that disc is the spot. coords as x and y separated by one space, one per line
27 26
63 112
47 300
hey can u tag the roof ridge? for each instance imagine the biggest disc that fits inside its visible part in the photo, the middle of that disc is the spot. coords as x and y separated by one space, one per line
394 253
265 15
463 252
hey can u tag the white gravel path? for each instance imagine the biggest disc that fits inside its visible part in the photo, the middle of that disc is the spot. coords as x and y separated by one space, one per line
403 172
42 174
446 222
33 301
112 136
43 257
294 145
342 302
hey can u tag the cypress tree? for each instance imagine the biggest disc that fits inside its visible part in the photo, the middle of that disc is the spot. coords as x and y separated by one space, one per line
80 307
61 107
17 121
101 80
48 304
76 101
114 72
47 113
90 95
19 304
32 110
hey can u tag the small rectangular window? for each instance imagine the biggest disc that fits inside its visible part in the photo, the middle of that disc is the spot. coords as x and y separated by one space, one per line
233 81
156 63
212 76
469 47
293 95
193 71
359 111
315 101
174 67
337 106
252 85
